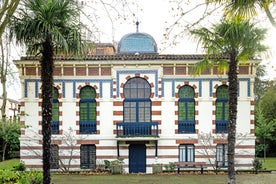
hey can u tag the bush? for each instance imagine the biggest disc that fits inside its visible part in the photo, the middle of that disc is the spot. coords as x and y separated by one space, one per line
257 165
170 167
20 167
21 177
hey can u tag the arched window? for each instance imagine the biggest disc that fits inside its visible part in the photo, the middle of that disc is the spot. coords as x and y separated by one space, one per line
186 109
137 103
55 109
137 109
88 110
222 109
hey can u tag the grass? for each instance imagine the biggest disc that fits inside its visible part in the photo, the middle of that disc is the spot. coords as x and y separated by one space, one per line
269 163
162 179
9 164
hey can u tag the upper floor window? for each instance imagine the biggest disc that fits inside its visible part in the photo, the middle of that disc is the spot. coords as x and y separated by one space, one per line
222 109
186 153
88 112
186 109
55 109
137 103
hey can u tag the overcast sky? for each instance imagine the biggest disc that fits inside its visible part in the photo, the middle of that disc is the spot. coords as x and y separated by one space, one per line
153 16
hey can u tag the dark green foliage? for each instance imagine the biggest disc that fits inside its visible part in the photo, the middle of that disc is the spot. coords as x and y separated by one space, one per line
9 137
20 167
257 165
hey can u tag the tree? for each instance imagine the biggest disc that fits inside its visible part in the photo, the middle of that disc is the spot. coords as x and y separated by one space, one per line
10 137
239 40
45 26
246 9
267 105
260 85
7 9
264 130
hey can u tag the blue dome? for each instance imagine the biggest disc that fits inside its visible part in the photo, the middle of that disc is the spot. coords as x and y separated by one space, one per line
137 43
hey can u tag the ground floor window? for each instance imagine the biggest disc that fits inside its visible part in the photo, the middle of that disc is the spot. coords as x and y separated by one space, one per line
88 156
54 156
221 155
186 153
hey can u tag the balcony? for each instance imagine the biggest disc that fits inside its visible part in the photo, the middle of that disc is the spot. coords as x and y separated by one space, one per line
186 127
55 127
88 127
137 129
222 126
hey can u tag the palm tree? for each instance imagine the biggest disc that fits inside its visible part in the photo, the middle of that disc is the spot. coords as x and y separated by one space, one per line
45 26
246 9
240 41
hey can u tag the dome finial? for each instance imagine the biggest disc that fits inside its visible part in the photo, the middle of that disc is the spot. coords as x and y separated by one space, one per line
137 26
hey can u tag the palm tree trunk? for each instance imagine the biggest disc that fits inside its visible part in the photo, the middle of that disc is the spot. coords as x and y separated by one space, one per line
47 65
233 95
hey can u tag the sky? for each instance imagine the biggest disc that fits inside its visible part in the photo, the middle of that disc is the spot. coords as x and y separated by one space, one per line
153 17
156 15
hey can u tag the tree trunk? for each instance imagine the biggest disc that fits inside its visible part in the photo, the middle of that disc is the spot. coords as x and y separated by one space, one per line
47 66
233 95
3 76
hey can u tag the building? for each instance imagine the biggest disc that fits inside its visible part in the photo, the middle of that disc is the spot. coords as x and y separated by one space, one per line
12 108
138 105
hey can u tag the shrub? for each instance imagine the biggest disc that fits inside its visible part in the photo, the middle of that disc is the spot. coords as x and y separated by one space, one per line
257 165
20 167
169 167
21 177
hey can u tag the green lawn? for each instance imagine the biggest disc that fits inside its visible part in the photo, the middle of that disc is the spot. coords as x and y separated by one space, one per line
162 179
9 164
269 163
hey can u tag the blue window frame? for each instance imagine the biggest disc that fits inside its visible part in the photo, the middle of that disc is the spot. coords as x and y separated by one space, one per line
137 103
186 109
186 153
221 155
55 109
54 156
88 156
88 111
222 109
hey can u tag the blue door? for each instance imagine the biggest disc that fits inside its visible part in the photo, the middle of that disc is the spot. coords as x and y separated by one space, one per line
137 158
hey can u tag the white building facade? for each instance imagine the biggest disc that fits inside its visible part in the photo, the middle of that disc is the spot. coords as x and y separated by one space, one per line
137 105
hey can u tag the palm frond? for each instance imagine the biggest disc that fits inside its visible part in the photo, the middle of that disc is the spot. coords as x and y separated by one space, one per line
57 19
201 66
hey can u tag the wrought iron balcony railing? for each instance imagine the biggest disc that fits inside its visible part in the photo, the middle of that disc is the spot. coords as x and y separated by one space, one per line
137 129
88 127
186 127
55 127
222 126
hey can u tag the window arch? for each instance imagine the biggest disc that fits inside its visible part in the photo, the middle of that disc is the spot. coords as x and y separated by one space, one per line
87 110
137 103
186 109
55 109
222 109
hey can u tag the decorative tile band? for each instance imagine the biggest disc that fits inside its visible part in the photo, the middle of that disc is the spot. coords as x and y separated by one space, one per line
199 80
63 81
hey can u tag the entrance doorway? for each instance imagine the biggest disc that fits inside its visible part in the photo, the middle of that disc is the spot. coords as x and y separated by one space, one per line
137 158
